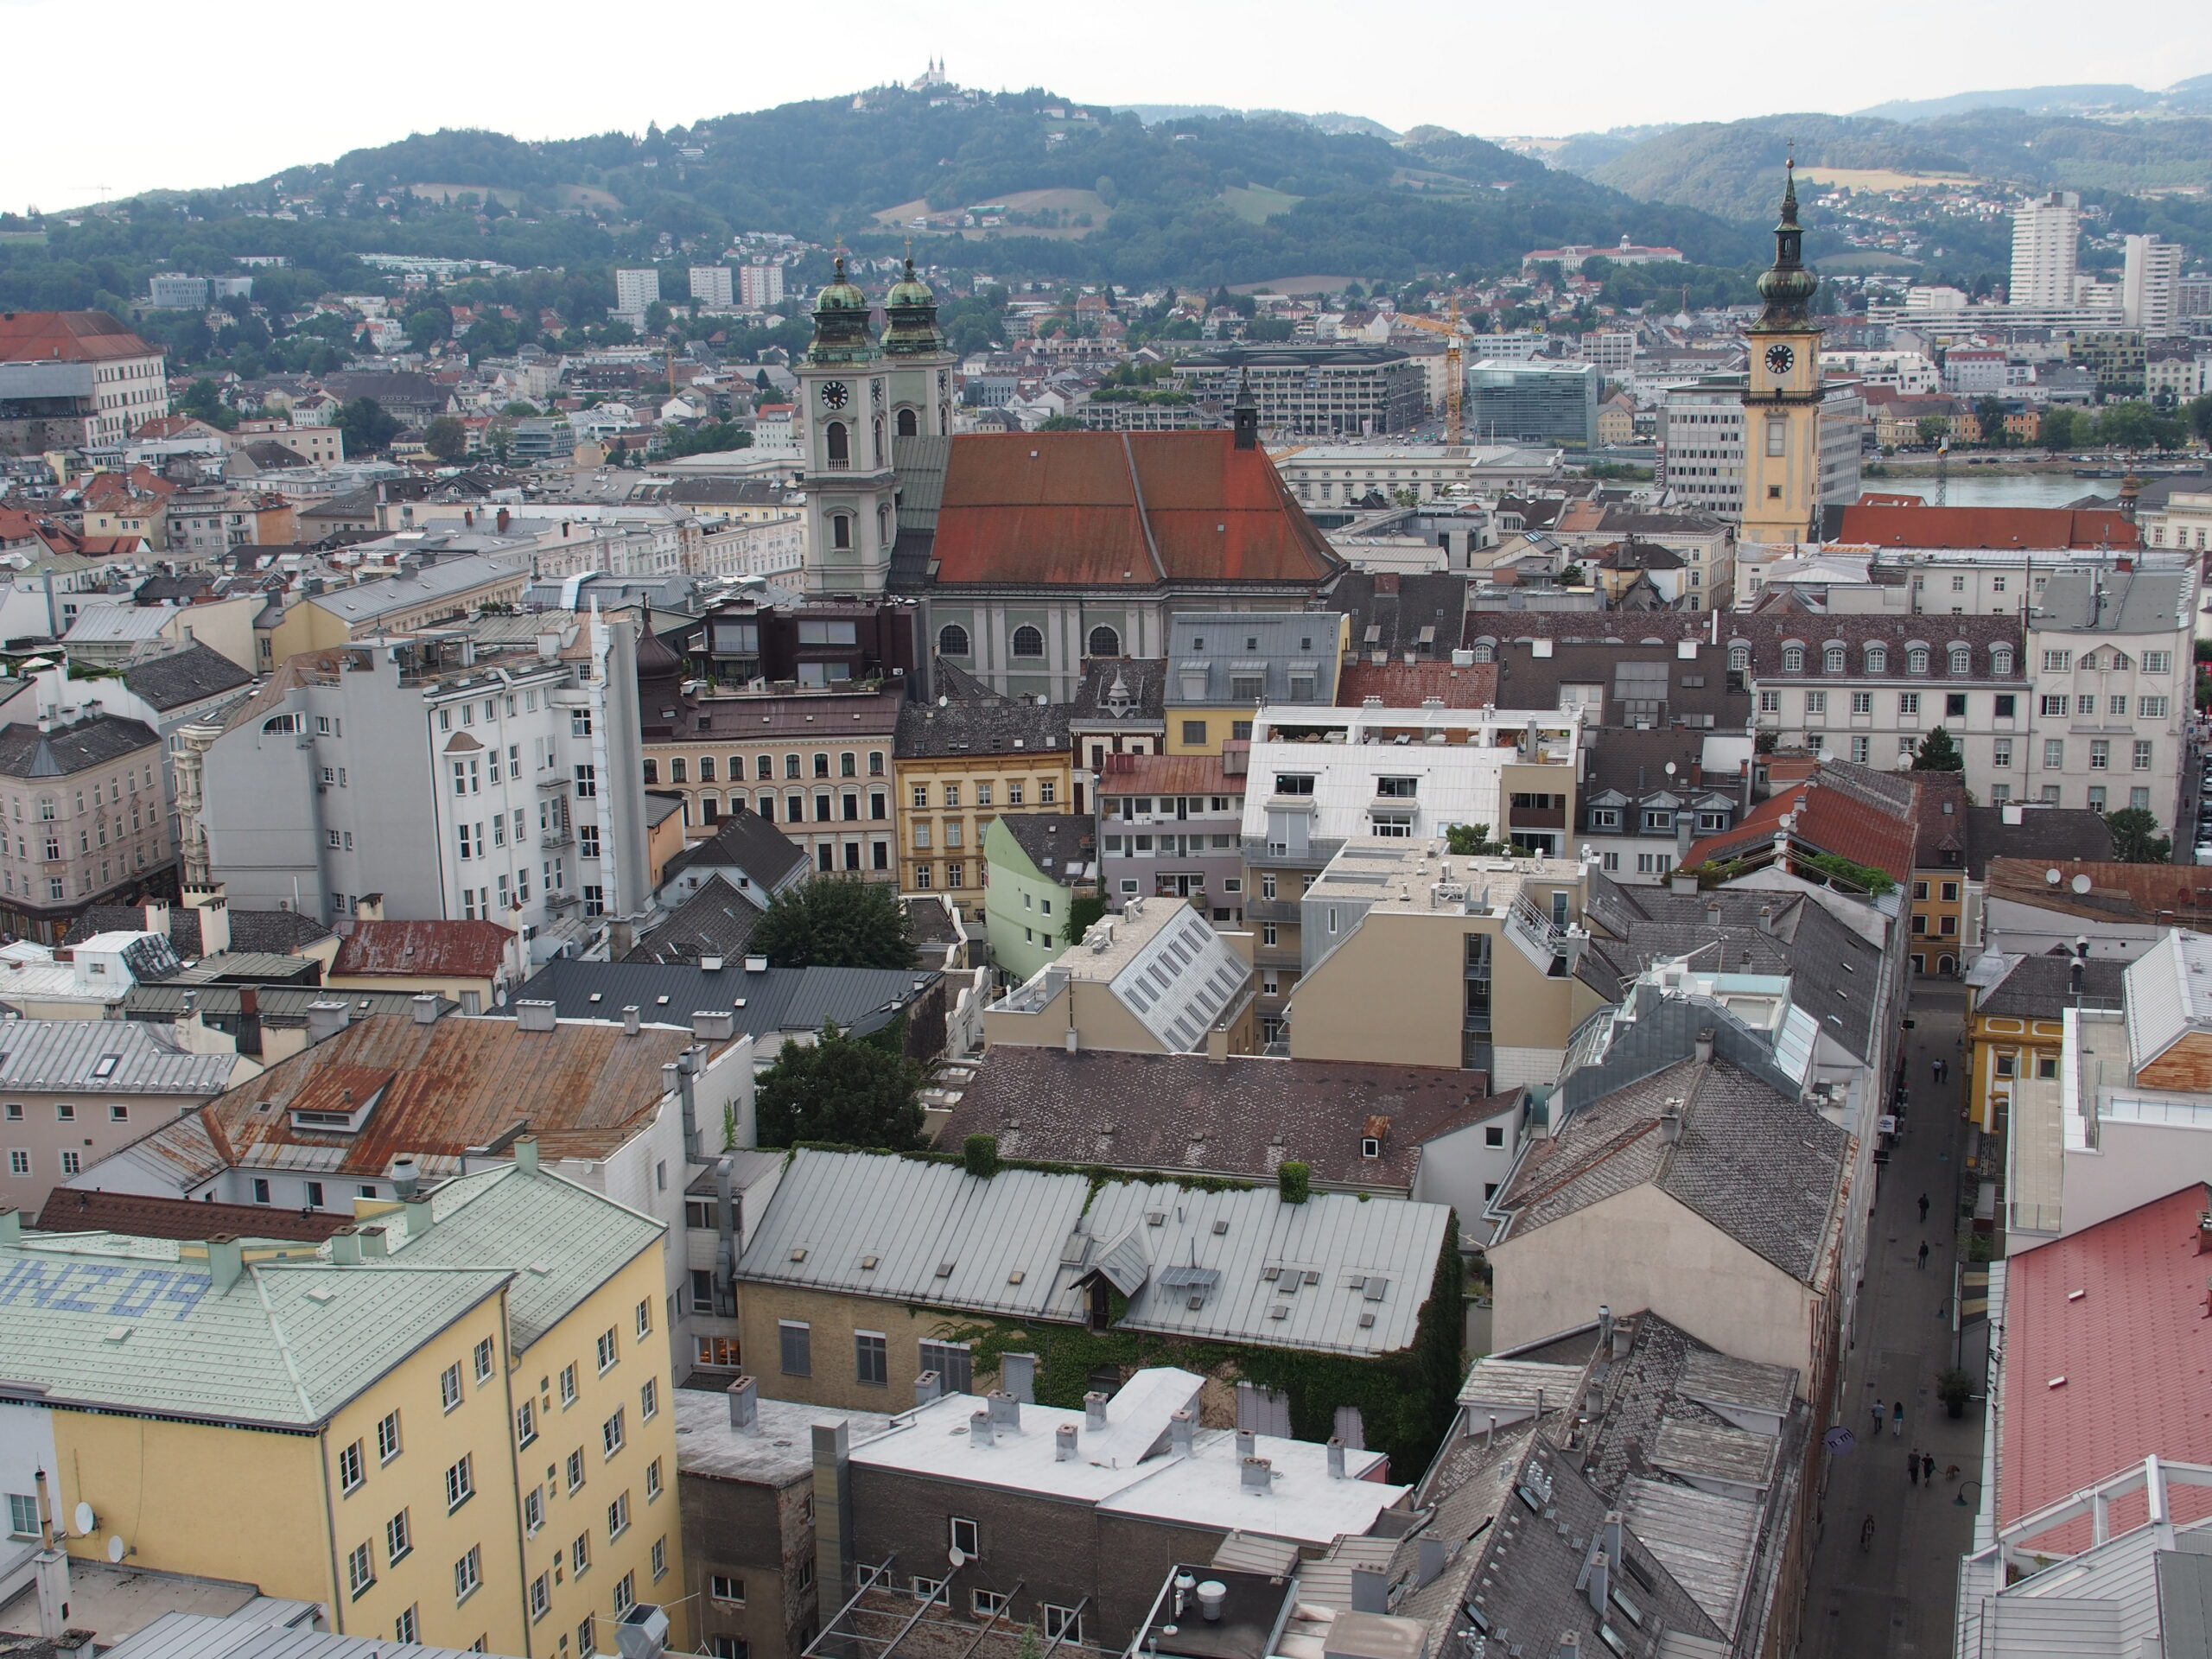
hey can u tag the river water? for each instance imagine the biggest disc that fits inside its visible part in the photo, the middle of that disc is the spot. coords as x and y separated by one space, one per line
1972 488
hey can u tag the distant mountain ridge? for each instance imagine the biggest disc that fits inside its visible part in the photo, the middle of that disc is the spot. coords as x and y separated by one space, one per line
2193 95
1329 121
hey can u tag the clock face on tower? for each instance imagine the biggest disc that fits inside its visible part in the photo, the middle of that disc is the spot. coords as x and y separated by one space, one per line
1778 359
835 394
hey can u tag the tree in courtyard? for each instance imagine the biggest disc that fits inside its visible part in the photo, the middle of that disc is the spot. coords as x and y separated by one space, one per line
366 425
1938 753
1082 913
446 438
843 1090
2135 837
836 921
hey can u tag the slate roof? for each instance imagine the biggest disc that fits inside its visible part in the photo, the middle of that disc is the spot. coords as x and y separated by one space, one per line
1057 843
185 677
1173 1112
995 726
1832 971
462 949
715 921
274 932
1695 690
1743 1163
1119 509
2049 833
744 841
763 1004
253 932
1939 825
1142 682
98 740
1398 607
825 718
2041 986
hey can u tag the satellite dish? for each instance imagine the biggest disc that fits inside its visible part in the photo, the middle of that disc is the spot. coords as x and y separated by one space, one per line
116 1550
1670 768
2080 883
957 1556
86 1520
2052 876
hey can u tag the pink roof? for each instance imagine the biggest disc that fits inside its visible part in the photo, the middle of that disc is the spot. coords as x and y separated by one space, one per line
2135 1350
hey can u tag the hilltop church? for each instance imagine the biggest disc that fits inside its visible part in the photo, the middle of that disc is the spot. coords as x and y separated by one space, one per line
1028 552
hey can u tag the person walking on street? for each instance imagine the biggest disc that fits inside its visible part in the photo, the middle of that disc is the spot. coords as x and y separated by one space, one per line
1923 1255
1897 1420
1877 1414
1924 1208
1912 1466
1938 1065
1928 1467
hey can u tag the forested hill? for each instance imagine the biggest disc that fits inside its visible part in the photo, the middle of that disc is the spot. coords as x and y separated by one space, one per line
1091 194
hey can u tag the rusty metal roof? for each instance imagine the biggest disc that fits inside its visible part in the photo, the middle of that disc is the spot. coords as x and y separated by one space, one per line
473 950
1108 509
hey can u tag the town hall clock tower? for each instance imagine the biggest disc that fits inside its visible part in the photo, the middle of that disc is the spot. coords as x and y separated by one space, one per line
1782 397
844 417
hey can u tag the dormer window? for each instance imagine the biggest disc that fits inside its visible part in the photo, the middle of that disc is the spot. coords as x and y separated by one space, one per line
1961 660
1831 659
1793 658
1739 657
1878 660
1916 659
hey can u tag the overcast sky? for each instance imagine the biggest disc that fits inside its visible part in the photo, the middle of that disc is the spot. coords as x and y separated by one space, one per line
138 96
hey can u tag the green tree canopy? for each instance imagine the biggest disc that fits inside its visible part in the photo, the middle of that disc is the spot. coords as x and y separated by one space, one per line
366 425
2135 837
1082 913
843 1090
1938 753
446 438
836 921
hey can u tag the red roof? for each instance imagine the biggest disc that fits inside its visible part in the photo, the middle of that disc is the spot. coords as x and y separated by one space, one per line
2135 1349
2024 527
78 1210
459 949
1828 821
1409 685
1093 509
72 336
1169 774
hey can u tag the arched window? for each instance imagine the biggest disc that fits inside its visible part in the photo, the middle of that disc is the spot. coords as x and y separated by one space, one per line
710 809
706 768
1831 659
821 764
1916 659
841 529
953 640
290 725
1027 642
2121 659
910 425
846 765
875 763
837 443
2000 660
1793 658
2090 660
653 771
764 768
1878 660
1961 660
1105 642
791 765
1485 652
878 426
678 772
883 524
736 773
1739 657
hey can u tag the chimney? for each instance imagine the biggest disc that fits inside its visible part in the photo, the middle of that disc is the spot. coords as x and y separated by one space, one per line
621 937
1370 1590
1181 1427
2204 1232
1622 1336
1336 1458
374 1243
1431 1560
526 1156
501 523
327 1020
533 1015
979 1429
1248 1443
833 1507
1704 1041
1670 1128
1256 1474
419 1218
1093 1412
1064 1443
745 1405
249 1020
632 1022
686 1066
426 1010
2013 812
1766 919
1018 1376
713 1025
756 964
346 1247
711 964
1604 1326
1570 1646
404 1182
1598 1581
1685 823
927 1387
225 1262
1005 1412
1609 1536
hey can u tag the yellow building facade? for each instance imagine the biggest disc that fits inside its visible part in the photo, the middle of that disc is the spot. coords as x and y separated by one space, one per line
957 768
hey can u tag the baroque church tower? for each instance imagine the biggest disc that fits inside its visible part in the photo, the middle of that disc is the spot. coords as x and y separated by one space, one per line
921 362
1782 397
844 419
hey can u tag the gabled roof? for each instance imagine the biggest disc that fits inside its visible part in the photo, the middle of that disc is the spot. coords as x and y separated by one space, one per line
1822 816
2167 994
1120 509
743 841
97 740
1763 1168
2047 833
2165 895
715 921
2039 987
179 677
1978 527
107 1057
1057 844
462 949
860 1000
994 725
72 336
1128 691
2131 601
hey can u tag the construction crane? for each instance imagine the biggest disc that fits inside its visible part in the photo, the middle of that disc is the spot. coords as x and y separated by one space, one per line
1454 336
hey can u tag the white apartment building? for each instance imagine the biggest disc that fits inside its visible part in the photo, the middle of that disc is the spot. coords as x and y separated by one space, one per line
636 290
760 282
1909 372
1338 474
2046 251
455 785
772 547
711 285
2183 519
2109 654
1701 433
2150 285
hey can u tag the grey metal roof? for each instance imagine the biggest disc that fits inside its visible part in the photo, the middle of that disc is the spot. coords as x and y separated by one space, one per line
246 1636
447 579
27 752
860 1000
2185 1605
716 920
219 1003
2134 601
116 1057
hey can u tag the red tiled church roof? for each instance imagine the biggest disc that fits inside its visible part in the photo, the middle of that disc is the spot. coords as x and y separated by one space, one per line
1966 527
